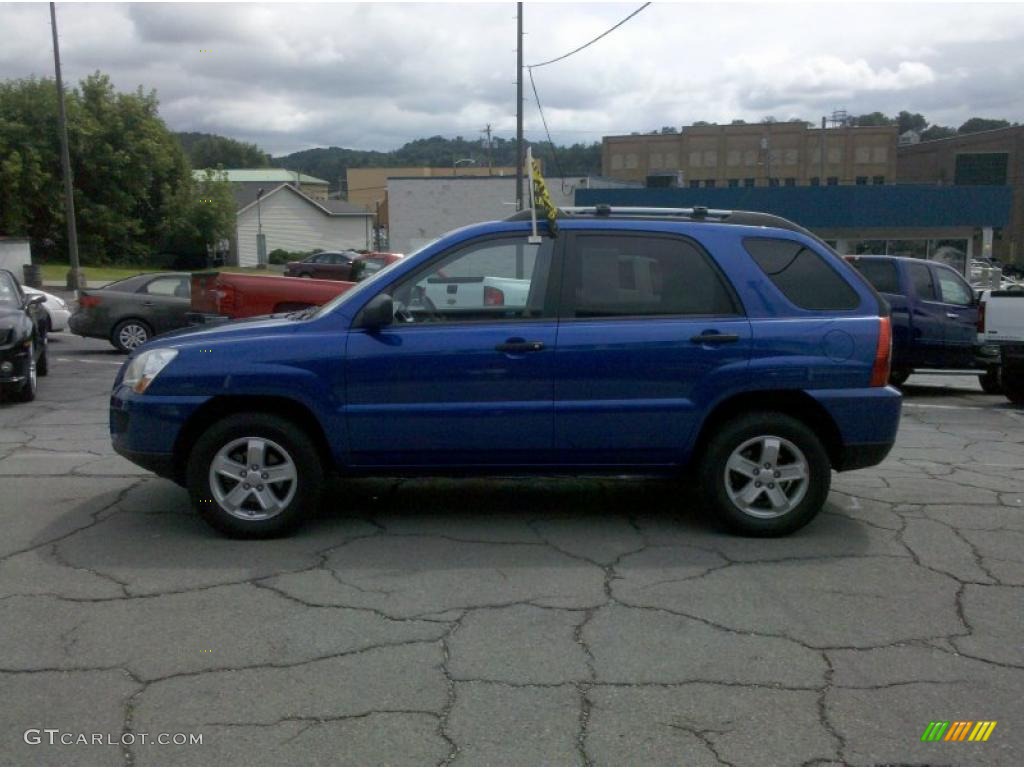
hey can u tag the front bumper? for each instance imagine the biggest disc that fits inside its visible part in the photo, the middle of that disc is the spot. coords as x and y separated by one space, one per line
17 356
145 428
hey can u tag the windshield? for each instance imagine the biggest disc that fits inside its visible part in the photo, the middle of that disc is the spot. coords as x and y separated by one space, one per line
9 296
368 284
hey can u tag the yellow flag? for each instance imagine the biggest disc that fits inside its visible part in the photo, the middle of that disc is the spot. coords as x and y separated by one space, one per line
542 199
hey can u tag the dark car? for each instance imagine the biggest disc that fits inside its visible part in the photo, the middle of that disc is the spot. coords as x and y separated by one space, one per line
326 265
22 339
341 265
130 312
650 340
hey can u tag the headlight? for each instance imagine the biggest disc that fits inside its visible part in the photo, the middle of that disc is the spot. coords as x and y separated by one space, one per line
144 368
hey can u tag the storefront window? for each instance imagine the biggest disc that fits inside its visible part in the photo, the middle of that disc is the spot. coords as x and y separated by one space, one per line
953 253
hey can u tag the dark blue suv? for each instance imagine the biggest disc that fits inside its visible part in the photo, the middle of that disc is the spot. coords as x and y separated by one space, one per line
635 341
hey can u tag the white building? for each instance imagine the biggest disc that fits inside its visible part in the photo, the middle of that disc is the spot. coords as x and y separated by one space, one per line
294 222
420 209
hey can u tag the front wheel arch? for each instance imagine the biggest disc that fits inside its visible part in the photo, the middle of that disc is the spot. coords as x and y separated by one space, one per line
217 408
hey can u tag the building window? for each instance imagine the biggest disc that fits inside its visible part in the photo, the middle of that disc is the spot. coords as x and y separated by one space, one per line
790 181
616 162
631 160
656 161
879 155
709 183
694 183
773 181
981 168
732 158
862 180
734 182
833 181
695 159
862 155
878 179
710 158
815 181
748 182
792 156
671 161
775 156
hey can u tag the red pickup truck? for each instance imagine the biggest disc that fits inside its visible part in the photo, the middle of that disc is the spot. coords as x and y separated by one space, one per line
230 295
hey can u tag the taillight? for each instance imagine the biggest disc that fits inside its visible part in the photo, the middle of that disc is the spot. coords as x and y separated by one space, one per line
883 354
88 302
981 317
493 297
225 300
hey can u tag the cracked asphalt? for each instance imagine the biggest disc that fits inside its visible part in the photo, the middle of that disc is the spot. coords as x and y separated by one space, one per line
573 621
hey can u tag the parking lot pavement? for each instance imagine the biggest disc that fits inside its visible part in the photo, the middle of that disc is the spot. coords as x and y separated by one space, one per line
509 621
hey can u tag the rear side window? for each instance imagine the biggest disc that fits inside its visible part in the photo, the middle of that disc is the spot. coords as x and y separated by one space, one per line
630 276
801 274
921 277
881 274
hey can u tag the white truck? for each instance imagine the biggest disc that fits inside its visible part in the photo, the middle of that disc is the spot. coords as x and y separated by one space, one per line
1001 324
476 292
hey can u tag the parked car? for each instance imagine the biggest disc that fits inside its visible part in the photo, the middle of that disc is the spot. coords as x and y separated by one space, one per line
218 296
340 265
130 312
734 343
1001 324
57 312
22 340
934 318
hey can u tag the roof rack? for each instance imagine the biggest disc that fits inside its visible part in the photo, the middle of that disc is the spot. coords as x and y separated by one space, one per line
695 214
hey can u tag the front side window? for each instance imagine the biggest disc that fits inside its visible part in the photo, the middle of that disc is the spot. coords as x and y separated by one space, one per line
501 279
952 288
630 276
10 296
921 277
801 274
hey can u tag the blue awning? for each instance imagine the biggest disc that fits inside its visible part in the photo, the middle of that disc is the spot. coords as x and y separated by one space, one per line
839 207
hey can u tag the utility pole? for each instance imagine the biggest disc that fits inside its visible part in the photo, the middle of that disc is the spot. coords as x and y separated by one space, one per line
519 106
821 147
490 164
74 279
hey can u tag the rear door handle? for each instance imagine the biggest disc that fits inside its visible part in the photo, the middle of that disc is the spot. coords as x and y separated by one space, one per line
519 347
147 303
715 338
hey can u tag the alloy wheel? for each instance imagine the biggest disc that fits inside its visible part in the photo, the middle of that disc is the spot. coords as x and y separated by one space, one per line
766 476
253 478
132 335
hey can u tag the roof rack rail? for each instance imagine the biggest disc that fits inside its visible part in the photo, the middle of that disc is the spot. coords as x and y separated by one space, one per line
602 209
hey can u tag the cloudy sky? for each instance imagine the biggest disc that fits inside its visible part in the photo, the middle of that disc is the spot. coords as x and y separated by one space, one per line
374 75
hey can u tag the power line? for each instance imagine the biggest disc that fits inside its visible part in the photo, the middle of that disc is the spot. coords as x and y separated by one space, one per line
587 45
554 152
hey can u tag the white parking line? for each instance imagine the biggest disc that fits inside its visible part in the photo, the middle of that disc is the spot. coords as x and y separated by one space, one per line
84 360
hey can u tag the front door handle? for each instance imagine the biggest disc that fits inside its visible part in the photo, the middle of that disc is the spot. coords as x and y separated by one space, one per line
517 347
715 338
952 315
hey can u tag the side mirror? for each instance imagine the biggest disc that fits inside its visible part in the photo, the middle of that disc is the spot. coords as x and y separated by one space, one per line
35 301
380 312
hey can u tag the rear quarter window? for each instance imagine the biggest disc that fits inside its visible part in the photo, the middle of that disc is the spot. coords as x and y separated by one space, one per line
802 275
881 274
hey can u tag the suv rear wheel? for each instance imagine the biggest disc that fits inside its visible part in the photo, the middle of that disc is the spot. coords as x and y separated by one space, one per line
765 474
254 475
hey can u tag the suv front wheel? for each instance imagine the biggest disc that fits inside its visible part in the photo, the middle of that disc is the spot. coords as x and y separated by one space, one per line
254 475
765 474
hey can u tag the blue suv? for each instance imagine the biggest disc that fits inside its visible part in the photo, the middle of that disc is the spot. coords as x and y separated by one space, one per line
635 341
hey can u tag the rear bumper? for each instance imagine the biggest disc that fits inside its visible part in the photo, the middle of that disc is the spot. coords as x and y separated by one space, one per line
860 456
867 420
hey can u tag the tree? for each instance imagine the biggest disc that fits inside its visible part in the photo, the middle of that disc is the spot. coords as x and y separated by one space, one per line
873 118
911 122
976 124
207 150
128 170
668 130
937 132
206 215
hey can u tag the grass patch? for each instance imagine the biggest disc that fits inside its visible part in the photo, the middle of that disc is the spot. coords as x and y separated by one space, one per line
58 272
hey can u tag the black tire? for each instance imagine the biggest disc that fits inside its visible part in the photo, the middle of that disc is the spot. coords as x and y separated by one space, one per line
899 376
43 363
131 328
282 439
26 391
1013 385
991 381
798 450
